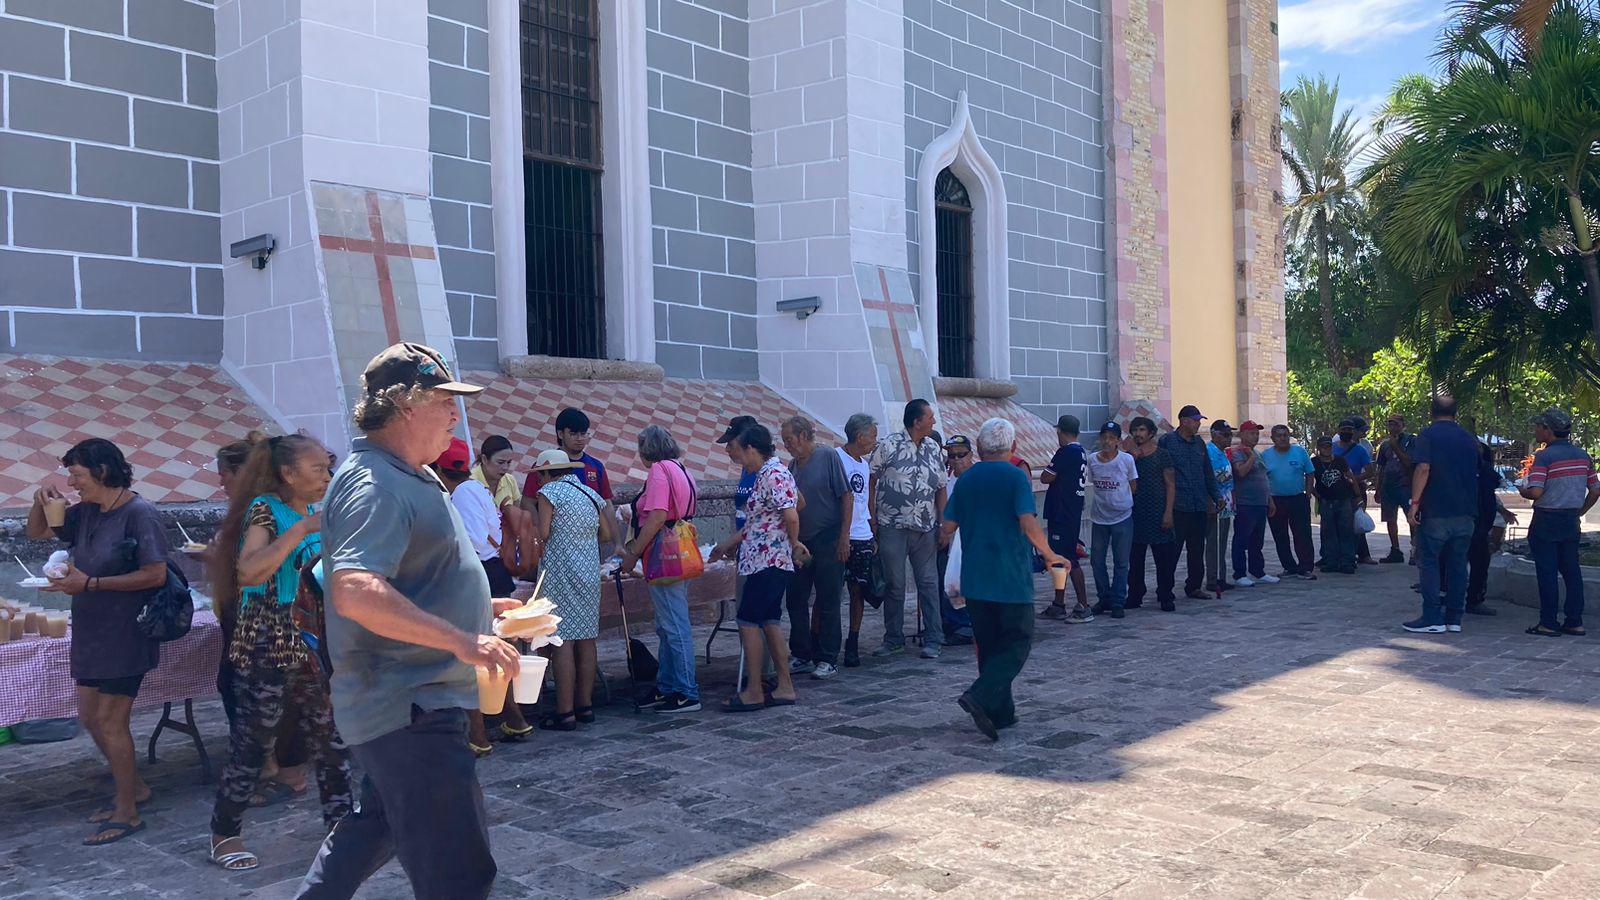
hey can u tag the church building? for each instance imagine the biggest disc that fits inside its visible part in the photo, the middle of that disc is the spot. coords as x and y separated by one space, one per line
663 211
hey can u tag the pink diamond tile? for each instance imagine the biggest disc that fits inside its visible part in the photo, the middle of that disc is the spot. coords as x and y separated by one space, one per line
169 419
695 412
1036 438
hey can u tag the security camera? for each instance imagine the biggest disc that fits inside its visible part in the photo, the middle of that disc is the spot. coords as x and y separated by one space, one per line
260 246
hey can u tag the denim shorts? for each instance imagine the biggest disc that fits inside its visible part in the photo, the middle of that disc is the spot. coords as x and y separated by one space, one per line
762 601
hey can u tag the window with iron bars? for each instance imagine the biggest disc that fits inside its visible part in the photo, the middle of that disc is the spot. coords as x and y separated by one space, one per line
562 164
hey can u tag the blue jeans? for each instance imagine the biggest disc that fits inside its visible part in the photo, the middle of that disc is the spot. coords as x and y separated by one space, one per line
1442 544
676 672
1553 540
1118 540
1249 539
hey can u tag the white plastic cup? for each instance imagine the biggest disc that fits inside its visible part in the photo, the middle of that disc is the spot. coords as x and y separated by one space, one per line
530 680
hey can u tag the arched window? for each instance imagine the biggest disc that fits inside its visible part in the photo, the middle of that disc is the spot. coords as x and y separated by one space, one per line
953 230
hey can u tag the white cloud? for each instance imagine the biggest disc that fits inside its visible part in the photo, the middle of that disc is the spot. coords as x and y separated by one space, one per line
1348 26
1284 64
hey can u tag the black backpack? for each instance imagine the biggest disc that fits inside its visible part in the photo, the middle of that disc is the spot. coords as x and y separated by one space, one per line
168 610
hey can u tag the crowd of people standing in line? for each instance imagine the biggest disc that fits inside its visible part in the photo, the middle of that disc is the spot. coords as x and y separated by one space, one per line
414 539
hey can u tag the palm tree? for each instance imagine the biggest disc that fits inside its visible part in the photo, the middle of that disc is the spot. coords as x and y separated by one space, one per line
1320 142
1505 132
1514 22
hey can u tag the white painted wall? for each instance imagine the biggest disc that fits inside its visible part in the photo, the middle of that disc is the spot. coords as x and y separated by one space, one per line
308 92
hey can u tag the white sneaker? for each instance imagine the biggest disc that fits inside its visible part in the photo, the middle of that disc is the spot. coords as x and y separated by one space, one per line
1454 629
1268 579
1246 581
799 666
824 670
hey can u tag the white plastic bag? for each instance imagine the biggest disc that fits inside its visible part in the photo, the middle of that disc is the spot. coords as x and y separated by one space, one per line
952 574
1364 523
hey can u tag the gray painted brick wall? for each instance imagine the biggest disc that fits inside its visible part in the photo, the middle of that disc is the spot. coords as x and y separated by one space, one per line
1031 70
109 235
697 53
458 139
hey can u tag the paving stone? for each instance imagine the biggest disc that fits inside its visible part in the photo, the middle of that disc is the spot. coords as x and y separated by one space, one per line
1285 742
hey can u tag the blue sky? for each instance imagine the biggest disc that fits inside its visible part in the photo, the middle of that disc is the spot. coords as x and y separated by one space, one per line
1365 44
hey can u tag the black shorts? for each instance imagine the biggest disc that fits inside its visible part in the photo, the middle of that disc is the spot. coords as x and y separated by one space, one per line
761 603
126 686
1063 537
858 568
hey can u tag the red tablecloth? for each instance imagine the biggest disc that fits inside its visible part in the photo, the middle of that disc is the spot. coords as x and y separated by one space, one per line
36 683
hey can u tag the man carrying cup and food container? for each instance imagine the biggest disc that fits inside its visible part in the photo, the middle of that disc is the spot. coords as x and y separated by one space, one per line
408 619
992 506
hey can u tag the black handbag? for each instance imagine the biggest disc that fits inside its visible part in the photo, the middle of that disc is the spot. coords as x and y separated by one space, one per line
168 610
878 588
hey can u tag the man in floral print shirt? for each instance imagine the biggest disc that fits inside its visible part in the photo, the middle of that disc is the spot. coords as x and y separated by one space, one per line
908 494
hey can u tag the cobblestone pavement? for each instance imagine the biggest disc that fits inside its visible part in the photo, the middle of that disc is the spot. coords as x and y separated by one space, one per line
1290 741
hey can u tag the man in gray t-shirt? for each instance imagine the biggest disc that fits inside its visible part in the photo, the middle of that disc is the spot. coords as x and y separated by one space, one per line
828 505
408 615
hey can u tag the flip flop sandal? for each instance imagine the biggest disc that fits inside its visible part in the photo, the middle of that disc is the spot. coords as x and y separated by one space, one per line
480 750
1574 630
237 861
117 830
735 705
272 793
1542 631
558 722
584 714
514 734
779 701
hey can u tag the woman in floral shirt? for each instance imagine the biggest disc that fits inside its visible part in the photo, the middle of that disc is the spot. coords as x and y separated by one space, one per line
769 550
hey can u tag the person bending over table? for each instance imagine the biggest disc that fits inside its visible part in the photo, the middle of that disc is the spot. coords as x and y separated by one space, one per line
119 552
572 528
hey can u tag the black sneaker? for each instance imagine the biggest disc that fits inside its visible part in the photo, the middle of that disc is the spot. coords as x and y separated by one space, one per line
650 699
1482 609
852 652
678 703
1395 556
1104 606
1117 614
1168 606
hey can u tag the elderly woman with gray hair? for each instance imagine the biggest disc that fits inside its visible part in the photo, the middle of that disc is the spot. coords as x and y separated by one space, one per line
992 506
668 496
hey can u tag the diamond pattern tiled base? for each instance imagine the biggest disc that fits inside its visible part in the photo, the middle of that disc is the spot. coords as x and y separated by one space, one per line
1036 438
168 418
695 412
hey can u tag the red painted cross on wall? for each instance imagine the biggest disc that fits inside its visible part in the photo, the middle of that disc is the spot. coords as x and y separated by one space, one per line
380 249
890 307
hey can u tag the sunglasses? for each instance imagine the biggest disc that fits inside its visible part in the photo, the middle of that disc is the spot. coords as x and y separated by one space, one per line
962 455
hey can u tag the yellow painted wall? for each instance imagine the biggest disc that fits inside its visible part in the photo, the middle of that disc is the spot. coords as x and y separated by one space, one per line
1200 205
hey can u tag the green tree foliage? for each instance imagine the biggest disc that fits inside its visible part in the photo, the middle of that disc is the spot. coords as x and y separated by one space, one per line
1483 199
1320 144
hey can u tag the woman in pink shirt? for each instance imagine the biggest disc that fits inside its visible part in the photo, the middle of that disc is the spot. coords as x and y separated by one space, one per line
669 495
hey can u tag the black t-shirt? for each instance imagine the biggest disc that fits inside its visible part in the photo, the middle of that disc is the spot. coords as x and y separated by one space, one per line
1063 500
1332 485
